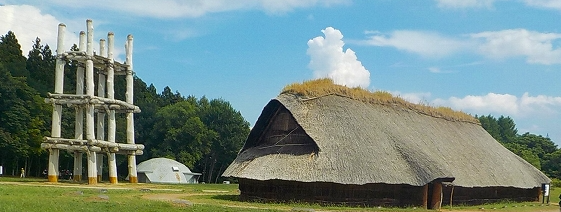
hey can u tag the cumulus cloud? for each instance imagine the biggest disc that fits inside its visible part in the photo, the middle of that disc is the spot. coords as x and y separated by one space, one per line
536 47
429 44
506 104
193 8
464 3
30 25
328 59
28 22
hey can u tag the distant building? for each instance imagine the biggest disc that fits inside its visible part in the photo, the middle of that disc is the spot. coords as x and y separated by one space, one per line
164 170
337 147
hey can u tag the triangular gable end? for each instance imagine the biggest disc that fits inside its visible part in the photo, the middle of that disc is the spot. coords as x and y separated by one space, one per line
277 132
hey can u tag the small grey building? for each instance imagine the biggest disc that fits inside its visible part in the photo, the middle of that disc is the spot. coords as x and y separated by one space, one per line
164 170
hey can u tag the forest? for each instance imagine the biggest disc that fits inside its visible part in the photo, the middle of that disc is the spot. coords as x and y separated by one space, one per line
204 134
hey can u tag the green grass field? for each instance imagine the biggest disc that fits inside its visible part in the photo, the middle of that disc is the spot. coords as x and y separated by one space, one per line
31 194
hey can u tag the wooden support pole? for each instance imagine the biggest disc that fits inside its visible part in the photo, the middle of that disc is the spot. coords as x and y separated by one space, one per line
90 127
101 116
111 128
425 196
79 119
436 202
130 116
57 109
77 174
92 172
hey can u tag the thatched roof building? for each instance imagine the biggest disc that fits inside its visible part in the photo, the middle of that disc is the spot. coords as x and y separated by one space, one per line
326 143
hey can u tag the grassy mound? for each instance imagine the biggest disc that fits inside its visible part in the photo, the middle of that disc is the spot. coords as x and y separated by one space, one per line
323 87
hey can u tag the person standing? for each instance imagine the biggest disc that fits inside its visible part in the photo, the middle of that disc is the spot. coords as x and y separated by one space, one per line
22 174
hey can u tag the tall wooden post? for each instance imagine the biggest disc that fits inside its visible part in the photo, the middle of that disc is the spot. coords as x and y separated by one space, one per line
436 200
79 119
92 164
425 196
111 127
101 114
130 115
57 109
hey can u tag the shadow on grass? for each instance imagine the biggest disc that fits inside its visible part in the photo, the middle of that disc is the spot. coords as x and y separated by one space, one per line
227 197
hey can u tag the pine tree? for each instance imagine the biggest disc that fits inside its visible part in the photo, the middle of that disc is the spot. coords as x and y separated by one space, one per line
11 55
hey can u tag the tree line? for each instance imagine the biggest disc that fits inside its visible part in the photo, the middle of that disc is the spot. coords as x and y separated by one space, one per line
538 150
204 134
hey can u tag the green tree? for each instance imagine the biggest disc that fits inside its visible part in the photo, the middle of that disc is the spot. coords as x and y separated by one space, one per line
22 121
41 66
507 129
232 130
179 134
11 55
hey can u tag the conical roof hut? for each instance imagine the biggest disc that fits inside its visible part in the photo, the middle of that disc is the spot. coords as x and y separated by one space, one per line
322 142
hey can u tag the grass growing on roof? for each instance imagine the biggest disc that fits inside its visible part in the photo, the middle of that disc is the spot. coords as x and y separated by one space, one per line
323 87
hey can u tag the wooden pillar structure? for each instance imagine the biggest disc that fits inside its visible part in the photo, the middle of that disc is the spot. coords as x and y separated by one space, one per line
88 105
90 87
133 178
53 171
79 119
101 114
111 119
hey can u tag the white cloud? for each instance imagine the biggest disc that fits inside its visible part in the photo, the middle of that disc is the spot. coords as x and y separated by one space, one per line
329 60
505 104
549 4
195 8
465 3
535 46
28 22
429 44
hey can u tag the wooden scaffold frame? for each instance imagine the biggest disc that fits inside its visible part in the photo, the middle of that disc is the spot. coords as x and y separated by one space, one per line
104 105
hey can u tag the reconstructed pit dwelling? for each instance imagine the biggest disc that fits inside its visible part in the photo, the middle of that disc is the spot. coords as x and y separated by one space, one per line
329 144
101 104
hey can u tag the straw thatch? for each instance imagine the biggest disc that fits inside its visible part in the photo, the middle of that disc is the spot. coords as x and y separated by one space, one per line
337 139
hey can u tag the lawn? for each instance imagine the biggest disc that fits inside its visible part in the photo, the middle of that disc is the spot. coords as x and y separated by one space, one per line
31 194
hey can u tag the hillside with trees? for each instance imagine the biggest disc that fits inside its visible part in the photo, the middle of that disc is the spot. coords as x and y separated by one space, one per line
204 134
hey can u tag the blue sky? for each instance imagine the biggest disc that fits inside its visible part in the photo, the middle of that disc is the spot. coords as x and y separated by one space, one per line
498 57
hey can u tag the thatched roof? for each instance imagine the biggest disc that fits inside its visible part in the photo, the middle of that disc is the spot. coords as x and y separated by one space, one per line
358 142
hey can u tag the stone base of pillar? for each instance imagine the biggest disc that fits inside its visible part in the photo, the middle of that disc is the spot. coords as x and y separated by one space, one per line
99 178
77 178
